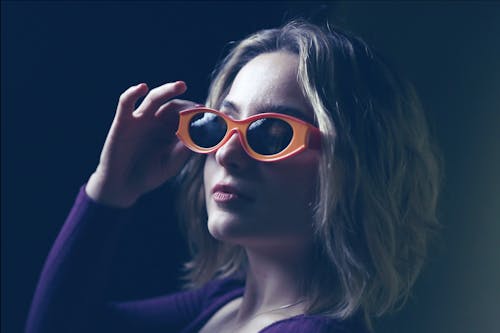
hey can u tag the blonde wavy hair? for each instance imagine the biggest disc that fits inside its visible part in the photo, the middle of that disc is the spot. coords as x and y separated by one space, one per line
379 174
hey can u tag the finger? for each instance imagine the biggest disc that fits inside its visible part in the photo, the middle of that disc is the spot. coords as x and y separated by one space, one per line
159 96
128 98
168 113
173 107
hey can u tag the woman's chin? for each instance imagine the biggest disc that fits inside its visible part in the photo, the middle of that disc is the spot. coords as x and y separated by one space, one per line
224 227
230 228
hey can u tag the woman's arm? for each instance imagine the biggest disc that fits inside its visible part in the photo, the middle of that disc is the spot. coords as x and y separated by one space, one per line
141 152
72 287
72 293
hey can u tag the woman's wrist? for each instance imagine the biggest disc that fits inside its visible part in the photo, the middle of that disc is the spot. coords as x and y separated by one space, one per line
100 190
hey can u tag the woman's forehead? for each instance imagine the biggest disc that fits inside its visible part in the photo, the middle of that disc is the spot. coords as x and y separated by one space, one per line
268 83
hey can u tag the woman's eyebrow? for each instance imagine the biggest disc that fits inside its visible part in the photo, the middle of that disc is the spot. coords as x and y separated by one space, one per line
230 106
275 108
288 110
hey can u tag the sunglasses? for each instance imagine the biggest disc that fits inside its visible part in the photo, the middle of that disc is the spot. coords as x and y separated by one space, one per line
266 137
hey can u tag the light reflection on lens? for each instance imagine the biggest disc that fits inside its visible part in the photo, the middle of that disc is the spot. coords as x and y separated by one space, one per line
207 129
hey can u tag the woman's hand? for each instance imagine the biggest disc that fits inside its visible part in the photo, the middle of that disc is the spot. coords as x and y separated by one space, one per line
141 151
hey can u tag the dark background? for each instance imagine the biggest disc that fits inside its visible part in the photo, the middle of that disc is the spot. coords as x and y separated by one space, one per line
65 64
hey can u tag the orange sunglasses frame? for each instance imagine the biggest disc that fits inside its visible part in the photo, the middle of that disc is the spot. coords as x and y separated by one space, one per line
304 136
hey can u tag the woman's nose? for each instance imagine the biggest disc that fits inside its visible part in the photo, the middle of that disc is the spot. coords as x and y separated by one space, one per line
232 155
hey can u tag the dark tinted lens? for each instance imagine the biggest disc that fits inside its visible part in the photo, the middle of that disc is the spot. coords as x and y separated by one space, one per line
207 129
269 136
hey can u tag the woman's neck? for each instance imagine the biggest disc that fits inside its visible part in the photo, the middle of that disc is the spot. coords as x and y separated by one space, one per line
274 282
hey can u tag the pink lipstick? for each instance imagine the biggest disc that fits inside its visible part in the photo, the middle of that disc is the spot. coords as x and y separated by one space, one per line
224 193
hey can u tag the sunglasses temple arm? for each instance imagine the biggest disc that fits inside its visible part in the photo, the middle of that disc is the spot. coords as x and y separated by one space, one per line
314 139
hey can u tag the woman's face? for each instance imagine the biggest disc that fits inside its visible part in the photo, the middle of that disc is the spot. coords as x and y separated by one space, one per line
253 203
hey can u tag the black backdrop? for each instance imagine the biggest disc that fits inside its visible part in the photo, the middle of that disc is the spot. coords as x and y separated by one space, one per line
65 64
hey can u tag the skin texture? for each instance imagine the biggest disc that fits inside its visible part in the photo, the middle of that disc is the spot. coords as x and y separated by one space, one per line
279 193
141 151
271 215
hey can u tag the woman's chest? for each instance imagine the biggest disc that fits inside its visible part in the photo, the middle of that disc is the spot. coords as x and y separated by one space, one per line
225 320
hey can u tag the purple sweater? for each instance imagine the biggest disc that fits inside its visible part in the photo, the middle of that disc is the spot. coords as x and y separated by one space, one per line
71 293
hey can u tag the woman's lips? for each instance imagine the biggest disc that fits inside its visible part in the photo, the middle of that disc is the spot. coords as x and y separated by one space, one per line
225 193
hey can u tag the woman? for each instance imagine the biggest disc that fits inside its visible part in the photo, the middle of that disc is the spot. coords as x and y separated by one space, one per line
309 189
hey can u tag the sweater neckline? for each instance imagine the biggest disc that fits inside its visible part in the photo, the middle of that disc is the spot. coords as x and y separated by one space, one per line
232 295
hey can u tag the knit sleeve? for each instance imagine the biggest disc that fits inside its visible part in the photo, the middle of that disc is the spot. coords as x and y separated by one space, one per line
71 295
184 311
71 291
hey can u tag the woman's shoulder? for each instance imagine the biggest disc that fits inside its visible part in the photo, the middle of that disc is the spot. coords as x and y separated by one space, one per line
316 324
